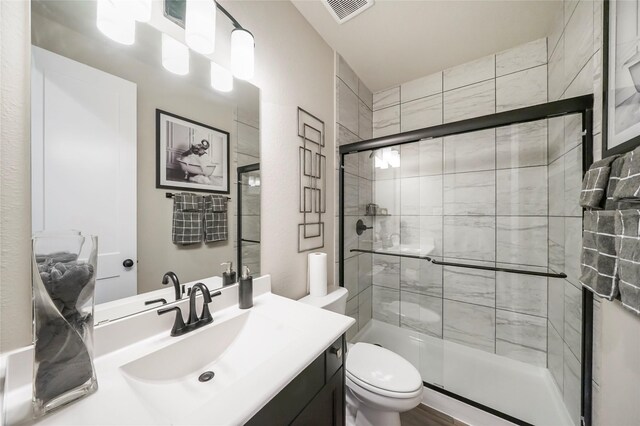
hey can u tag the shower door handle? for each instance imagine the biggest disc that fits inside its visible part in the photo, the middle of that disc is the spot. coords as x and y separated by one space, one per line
361 227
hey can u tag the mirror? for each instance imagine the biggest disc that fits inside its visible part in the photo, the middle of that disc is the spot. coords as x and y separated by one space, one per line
116 136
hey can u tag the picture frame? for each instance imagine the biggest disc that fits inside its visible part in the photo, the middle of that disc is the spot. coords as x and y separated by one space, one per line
191 156
621 76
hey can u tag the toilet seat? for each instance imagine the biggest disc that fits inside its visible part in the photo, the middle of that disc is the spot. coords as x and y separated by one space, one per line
382 372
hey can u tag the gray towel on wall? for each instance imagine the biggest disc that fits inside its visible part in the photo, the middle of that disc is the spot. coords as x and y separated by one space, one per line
614 177
595 182
599 264
215 218
187 218
628 251
629 183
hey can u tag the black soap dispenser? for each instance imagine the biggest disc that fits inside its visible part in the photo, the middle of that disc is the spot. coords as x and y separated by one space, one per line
245 290
229 276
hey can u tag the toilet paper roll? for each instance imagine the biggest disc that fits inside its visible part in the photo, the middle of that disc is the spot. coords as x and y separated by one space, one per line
317 274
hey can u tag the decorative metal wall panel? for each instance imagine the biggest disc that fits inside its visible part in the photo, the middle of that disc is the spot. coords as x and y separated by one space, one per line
312 187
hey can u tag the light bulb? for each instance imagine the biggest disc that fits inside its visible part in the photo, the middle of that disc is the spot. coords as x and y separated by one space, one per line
175 55
242 54
221 78
114 23
140 10
200 25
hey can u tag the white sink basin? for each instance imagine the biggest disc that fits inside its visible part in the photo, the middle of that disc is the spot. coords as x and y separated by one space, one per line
167 379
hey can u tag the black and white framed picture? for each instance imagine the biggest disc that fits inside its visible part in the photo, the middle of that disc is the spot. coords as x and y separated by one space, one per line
191 155
621 72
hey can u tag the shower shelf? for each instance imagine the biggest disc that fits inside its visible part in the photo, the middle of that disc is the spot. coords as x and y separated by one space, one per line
466 265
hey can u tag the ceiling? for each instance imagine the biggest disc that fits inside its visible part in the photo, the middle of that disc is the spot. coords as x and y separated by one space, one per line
397 41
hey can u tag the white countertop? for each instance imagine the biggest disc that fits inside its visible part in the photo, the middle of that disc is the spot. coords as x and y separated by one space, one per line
116 402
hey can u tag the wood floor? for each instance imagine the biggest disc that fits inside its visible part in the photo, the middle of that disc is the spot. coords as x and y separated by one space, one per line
427 416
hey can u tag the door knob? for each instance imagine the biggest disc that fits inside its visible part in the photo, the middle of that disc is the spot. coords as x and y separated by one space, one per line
128 263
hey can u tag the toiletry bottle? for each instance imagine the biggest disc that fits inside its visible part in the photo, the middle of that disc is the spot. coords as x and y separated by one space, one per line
229 276
245 290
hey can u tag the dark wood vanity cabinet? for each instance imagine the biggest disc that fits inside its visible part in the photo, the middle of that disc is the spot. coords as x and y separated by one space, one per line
315 397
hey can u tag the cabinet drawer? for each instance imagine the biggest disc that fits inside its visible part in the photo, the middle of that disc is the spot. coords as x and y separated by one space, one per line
335 357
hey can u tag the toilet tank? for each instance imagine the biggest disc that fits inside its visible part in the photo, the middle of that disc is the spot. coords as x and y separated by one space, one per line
335 300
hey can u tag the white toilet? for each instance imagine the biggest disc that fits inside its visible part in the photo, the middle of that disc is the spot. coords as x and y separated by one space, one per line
380 384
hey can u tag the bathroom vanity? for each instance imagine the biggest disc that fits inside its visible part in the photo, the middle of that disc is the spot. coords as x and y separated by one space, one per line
280 362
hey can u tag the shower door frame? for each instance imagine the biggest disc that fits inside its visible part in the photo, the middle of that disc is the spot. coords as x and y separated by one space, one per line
579 105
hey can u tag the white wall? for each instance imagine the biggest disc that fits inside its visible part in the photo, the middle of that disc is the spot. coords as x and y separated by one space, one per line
294 67
15 196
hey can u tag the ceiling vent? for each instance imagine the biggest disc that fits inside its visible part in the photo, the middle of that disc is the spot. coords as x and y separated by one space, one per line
343 10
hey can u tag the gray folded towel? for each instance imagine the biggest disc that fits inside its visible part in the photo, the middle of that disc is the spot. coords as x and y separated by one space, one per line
599 263
629 184
628 251
187 218
614 178
595 182
215 218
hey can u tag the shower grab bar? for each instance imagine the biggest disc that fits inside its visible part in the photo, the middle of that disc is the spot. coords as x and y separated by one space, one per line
466 265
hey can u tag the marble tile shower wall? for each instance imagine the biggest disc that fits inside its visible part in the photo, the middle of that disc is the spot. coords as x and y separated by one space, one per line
575 68
354 121
474 198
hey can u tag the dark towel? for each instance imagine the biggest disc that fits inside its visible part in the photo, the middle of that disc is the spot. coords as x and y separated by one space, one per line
595 182
628 251
215 218
628 186
599 264
187 218
614 177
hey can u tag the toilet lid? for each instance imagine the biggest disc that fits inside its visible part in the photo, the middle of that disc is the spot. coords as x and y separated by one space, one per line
382 369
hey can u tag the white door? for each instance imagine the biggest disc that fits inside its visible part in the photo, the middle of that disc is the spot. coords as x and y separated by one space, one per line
83 162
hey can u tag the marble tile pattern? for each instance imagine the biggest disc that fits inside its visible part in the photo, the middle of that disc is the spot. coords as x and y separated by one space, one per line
556 304
421 158
470 237
556 244
421 87
556 83
470 72
386 305
347 75
365 266
365 121
470 152
347 107
365 165
351 276
386 98
351 195
421 113
365 94
386 271
578 38
430 192
573 319
556 137
572 132
470 325
470 193
525 294
571 391
421 313
365 307
522 337
522 191
521 89
572 249
470 101
418 276
345 136
352 311
522 240
555 355
556 187
522 145
423 233
572 182
365 194
470 285
519 58
386 194
386 121
410 195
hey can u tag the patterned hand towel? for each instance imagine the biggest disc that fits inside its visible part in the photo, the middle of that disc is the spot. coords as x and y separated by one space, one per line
215 218
614 178
599 264
628 251
187 218
629 184
595 182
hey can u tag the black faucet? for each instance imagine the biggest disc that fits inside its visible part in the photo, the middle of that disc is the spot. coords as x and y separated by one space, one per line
194 322
176 283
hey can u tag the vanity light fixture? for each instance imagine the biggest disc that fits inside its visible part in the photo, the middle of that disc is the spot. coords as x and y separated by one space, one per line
175 55
242 55
221 78
200 25
140 10
115 24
